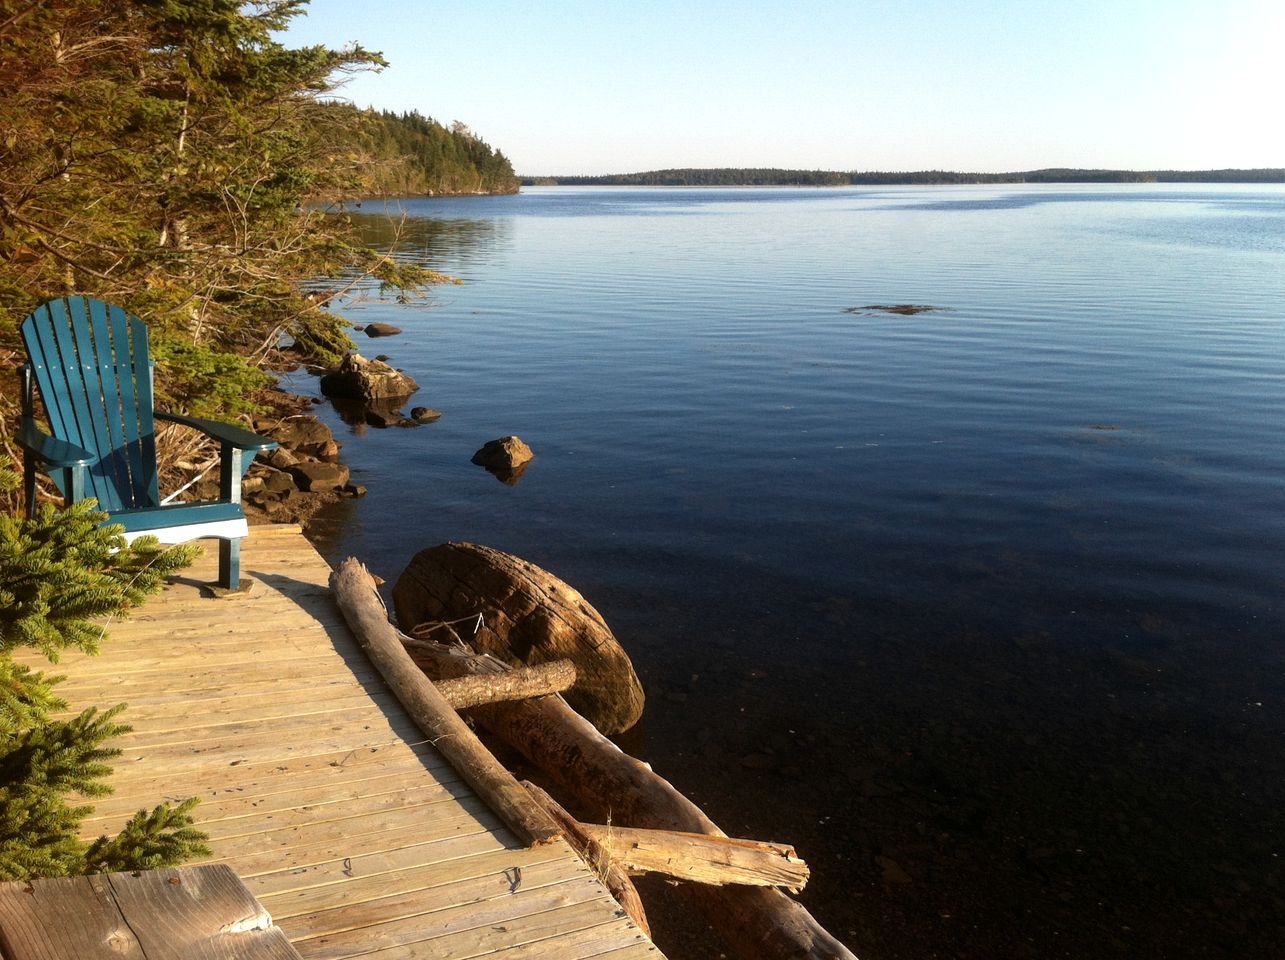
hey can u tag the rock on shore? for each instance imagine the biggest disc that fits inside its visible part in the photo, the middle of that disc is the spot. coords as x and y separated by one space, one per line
367 380
292 482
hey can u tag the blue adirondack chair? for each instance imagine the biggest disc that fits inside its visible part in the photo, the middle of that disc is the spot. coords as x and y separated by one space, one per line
92 365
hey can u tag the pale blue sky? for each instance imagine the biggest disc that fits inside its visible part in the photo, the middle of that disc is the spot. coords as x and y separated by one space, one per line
613 87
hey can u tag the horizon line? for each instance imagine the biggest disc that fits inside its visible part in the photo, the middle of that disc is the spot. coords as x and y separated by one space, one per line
1045 174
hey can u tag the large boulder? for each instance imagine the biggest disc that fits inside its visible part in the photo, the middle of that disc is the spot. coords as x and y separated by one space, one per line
278 483
367 380
301 435
529 616
315 476
281 458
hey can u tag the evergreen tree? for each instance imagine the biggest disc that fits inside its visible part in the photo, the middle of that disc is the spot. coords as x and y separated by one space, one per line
409 154
162 154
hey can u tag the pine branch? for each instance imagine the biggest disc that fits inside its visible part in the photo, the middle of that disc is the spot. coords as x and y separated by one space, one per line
163 838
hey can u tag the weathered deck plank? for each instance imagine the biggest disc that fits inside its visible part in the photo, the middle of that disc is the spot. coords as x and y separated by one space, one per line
316 788
267 794
190 912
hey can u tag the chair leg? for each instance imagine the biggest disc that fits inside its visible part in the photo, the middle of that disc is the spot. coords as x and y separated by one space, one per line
230 564
29 483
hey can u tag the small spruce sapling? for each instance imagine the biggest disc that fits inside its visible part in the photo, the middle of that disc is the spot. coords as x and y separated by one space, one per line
58 573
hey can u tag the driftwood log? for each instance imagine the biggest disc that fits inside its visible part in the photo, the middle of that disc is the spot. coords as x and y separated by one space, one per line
544 678
760 923
701 857
529 616
695 857
591 851
355 592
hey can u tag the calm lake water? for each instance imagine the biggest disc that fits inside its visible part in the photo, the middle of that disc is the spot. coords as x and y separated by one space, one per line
980 607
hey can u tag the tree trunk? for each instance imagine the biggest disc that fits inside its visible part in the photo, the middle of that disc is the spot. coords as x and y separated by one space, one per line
176 225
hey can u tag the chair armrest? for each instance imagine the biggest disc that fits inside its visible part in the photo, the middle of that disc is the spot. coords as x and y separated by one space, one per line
223 432
50 450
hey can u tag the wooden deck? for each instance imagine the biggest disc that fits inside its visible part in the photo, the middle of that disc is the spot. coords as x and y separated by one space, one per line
316 789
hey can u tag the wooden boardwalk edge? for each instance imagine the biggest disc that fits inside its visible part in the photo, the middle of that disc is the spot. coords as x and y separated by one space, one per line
316 788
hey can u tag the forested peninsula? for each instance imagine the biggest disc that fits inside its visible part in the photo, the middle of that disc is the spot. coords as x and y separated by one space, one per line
774 177
408 154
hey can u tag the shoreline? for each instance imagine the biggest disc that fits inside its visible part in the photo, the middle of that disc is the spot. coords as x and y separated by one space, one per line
378 198
786 177
304 474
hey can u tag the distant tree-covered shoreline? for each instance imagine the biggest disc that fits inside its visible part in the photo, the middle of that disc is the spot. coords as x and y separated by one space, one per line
410 154
773 177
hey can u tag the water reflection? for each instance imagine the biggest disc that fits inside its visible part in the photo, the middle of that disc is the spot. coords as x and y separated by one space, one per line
509 476
442 244
456 247
381 414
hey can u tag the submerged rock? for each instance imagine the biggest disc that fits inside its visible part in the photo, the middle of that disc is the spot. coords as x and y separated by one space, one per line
901 309
425 414
384 417
894 873
382 330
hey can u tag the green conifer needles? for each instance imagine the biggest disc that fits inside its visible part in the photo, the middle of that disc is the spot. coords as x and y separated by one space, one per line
61 570
58 574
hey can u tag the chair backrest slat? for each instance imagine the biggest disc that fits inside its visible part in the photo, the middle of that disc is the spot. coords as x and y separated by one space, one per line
116 464
46 365
129 411
85 359
51 347
145 431
104 477
119 323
